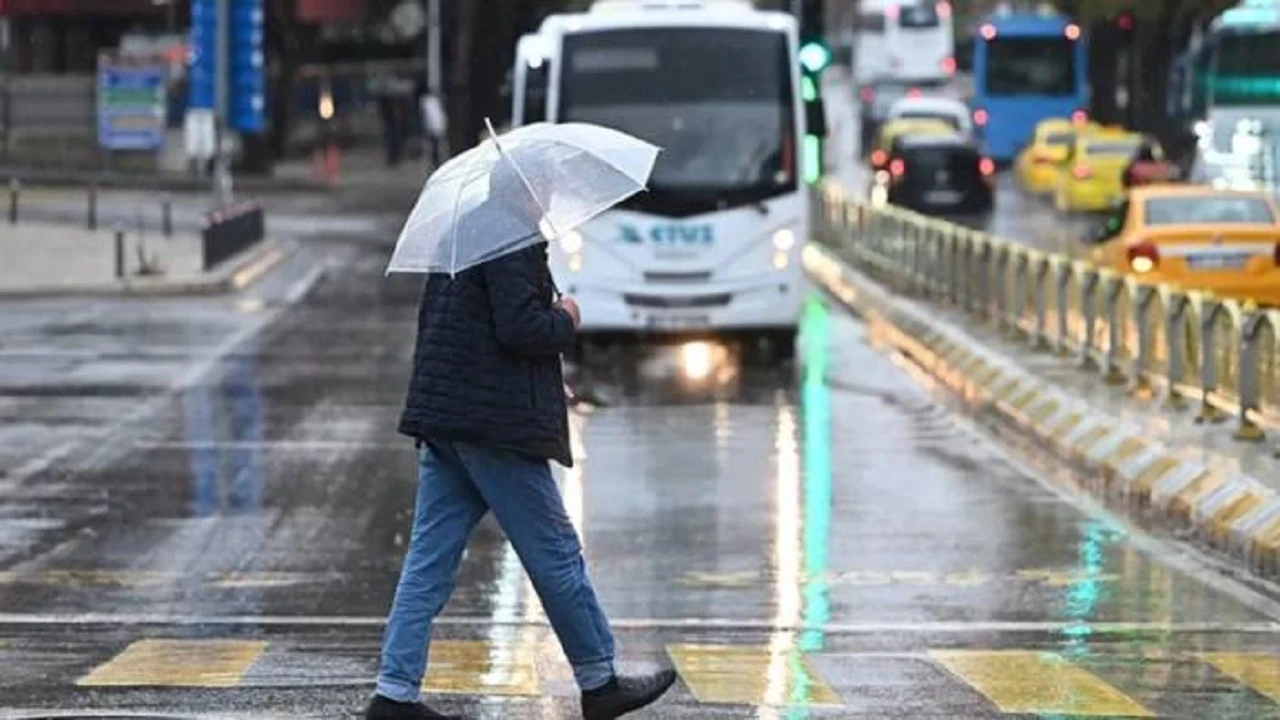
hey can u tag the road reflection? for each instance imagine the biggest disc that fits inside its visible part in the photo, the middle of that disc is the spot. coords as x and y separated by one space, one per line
224 430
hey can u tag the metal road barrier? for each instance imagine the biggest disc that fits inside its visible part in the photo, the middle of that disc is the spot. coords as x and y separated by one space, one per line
1155 340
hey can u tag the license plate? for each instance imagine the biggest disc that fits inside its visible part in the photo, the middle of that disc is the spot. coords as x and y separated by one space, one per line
678 321
1217 261
943 197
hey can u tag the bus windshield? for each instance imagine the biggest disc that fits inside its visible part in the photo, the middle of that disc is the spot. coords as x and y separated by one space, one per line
918 17
1248 69
1038 66
682 89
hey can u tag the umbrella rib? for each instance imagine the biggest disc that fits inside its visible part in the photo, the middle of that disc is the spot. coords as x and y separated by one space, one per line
520 173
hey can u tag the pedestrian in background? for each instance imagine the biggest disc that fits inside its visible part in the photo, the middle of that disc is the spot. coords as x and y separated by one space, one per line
486 405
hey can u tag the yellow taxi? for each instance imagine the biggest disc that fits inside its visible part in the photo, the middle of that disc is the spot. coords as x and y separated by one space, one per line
1196 237
1036 167
895 129
1091 178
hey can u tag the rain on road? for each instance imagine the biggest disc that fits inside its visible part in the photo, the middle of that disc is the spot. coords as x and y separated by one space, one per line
205 507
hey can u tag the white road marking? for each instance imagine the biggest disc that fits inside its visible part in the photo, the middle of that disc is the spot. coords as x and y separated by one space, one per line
357 621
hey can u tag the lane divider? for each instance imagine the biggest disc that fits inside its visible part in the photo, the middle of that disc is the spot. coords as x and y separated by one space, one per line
1118 463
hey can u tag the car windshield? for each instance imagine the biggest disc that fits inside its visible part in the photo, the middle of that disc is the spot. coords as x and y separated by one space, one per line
1059 138
680 88
951 120
1208 209
1039 66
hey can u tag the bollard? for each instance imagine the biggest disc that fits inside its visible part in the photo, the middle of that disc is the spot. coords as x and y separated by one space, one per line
1139 380
119 237
1248 430
92 215
1112 373
1040 341
1175 314
1209 365
1062 343
15 188
1089 302
166 216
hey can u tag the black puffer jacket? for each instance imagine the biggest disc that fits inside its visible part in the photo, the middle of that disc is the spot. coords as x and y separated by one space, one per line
487 364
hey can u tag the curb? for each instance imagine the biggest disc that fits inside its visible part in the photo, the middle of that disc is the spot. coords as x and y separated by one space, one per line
163 182
1233 513
235 273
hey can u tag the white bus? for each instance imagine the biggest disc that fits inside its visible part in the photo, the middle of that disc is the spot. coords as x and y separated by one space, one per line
713 245
910 41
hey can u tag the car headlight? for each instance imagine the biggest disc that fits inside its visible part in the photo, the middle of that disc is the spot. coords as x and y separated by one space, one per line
571 242
784 240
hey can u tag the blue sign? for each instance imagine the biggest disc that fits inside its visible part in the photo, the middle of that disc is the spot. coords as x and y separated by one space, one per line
203 61
131 104
247 98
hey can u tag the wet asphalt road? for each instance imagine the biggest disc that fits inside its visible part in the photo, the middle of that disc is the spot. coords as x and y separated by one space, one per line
204 504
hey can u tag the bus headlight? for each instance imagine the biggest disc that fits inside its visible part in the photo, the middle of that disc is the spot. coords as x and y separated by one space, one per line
784 240
571 242
781 260
575 262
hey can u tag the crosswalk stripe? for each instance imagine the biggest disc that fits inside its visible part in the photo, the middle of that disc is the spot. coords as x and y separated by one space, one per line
744 675
480 668
1257 670
177 663
1019 681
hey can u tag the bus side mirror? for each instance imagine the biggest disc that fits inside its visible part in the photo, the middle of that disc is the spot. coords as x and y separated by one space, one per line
815 117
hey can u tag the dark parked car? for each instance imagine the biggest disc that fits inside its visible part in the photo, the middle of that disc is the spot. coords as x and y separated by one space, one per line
939 174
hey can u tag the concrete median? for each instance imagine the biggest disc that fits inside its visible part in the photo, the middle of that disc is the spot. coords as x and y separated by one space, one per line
1114 459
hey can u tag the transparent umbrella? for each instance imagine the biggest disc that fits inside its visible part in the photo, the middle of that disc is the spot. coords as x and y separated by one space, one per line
527 186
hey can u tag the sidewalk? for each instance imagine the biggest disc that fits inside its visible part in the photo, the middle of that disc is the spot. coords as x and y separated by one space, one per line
358 167
58 260
1131 452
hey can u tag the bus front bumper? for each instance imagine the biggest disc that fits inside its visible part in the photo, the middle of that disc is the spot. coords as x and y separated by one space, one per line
767 303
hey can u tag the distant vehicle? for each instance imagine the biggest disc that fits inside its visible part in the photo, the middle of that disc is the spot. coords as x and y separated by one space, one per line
951 111
894 129
1149 166
1225 89
1198 238
874 102
939 174
1036 167
1026 68
1090 179
713 246
911 41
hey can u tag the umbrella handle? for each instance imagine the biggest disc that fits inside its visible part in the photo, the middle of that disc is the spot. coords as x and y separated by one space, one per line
520 173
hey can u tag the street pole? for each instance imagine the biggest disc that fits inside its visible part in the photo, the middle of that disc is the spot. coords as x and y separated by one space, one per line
434 77
5 96
222 163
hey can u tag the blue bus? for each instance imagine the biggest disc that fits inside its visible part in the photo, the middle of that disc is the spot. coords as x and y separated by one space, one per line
1026 68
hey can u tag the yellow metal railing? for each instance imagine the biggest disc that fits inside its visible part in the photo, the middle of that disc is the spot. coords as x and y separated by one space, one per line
1151 338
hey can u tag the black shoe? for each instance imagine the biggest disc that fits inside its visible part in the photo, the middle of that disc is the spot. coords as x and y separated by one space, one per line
381 708
625 694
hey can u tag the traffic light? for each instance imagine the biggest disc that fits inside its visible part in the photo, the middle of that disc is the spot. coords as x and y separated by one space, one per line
815 54
1125 22
814 57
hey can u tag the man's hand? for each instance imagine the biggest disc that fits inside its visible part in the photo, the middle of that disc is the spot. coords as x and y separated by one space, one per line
571 306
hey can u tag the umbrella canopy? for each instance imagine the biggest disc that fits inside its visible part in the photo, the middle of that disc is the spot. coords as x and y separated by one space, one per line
525 187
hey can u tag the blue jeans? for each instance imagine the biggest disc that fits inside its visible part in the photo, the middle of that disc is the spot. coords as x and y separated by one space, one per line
457 484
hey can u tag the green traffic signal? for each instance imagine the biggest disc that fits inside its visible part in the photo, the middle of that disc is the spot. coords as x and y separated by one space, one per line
814 56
